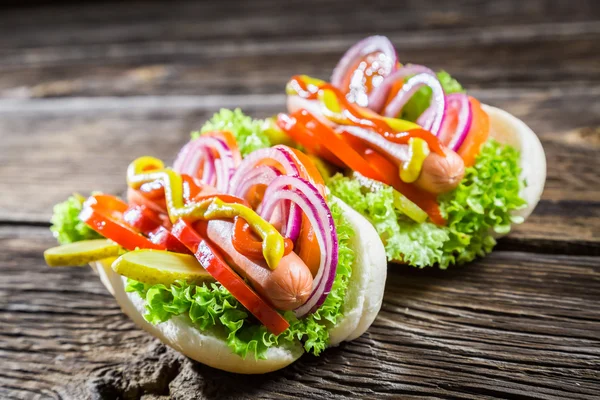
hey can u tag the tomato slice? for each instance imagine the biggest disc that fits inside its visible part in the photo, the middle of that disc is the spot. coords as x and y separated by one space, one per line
142 219
162 236
477 136
116 230
107 202
214 264
153 202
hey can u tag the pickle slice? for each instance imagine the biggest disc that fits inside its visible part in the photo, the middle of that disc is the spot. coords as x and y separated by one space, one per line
412 211
157 266
81 253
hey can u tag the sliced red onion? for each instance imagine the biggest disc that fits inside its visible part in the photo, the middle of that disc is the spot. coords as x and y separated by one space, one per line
292 227
209 172
284 156
379 95
306 196
461 102
434 119
397 153
261 175
203 151
281 154
370 45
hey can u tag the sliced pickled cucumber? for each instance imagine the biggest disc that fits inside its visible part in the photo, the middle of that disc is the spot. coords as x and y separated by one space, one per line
157 266
81 253
409 208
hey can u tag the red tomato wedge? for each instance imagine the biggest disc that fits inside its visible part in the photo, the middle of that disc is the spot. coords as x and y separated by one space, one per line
214 264
115 229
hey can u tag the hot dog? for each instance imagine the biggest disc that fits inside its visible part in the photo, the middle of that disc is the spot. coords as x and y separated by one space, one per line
286 287
439 173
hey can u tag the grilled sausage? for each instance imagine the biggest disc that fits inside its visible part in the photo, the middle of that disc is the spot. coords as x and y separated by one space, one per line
441 174
286 287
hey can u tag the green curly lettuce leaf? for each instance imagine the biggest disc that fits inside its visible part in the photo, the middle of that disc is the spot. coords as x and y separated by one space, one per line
213 308
482 204
66 225
249 133
421 99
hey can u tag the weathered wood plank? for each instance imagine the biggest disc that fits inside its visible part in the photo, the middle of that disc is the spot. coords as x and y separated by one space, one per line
203 48
180 20
86 144
532 56
520 323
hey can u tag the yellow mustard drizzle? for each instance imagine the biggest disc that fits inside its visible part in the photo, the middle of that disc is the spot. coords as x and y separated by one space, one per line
272 244
148 169
418 150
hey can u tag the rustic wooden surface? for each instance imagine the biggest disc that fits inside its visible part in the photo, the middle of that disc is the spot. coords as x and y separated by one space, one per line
84 89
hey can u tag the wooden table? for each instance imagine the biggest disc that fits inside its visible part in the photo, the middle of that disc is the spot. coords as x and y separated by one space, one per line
85 89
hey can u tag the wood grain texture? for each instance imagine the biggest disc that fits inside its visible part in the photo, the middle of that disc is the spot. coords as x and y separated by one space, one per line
511 325
84 89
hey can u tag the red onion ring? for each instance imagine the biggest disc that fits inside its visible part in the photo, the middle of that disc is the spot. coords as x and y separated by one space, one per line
203 151
261 175
379 95
362 49
465 118
278 153
306 196
282 155
209 171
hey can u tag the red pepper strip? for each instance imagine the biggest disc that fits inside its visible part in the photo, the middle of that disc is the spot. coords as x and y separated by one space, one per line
328 138
369 120
214 264
311 143
190 189
106 202
108 226
244 241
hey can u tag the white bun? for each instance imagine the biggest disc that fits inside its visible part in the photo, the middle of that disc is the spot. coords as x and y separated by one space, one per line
179 334
508 129
363 302
369 271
